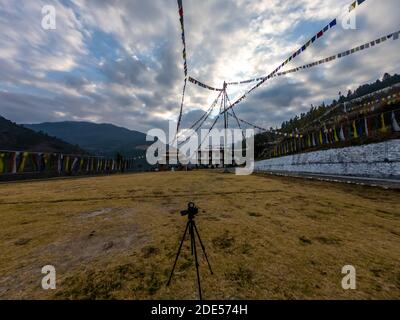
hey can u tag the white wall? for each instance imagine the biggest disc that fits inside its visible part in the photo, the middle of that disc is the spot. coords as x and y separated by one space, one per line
373 160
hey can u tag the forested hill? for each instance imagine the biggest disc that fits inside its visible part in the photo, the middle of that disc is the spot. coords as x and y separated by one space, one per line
300 121
100 139
303 119
17 138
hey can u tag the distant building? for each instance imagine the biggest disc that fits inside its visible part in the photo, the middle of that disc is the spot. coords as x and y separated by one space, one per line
212 156
171 155
207 157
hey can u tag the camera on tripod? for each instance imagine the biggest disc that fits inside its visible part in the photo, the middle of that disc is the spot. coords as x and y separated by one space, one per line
191 228
191 211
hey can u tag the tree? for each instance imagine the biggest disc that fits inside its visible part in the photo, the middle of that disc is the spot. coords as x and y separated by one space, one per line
386 77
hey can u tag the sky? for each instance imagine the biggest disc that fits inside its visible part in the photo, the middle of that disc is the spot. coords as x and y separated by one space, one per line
120 61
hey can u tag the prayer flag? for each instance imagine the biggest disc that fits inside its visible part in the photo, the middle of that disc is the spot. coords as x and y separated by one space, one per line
342 137
383 124
2 162
395 124
335 135
366 126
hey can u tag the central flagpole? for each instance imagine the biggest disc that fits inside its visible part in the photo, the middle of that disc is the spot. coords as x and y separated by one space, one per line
225 126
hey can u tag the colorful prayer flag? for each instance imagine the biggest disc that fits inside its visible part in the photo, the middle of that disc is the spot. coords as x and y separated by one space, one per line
395 124
383 124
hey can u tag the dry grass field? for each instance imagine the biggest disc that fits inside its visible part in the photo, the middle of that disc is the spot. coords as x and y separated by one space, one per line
267 237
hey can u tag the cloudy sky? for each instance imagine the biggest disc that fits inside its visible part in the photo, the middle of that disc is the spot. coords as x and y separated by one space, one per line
120 61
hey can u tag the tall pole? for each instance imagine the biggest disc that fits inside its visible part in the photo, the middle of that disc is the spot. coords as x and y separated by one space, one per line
225 126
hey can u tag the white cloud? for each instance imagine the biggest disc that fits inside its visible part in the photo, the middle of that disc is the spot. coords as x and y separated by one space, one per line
136 81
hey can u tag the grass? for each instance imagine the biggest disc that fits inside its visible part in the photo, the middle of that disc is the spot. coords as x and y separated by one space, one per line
267 237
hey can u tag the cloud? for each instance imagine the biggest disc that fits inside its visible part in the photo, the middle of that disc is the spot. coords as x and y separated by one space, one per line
121 61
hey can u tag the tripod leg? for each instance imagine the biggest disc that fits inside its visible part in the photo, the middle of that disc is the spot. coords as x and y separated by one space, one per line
191 232
202 247
197 264
177 255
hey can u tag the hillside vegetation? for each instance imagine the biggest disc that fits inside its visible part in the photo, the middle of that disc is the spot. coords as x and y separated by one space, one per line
316 113
99 139
17 138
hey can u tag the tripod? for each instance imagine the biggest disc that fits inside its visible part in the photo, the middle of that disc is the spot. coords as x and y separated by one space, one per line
193 232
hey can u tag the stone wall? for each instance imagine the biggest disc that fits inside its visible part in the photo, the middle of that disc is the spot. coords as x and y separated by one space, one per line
380 160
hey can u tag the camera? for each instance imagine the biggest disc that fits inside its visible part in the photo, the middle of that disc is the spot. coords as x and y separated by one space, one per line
191 211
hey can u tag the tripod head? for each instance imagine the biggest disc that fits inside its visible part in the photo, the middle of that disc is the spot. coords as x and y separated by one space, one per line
191 211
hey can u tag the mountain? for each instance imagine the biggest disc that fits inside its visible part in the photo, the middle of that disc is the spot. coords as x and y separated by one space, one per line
17 138
99 139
